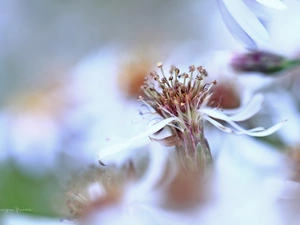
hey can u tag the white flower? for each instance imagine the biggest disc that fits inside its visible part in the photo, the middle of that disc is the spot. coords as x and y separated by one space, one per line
105 100
184 106
35 125
241 115
111 190
246 19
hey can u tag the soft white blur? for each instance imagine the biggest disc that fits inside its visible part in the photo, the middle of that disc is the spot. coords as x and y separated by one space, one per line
82 45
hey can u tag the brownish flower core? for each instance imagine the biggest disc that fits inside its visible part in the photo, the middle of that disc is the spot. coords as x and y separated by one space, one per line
176 98
131 75
224 96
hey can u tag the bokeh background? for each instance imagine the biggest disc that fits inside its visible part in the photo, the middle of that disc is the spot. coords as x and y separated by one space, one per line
69 77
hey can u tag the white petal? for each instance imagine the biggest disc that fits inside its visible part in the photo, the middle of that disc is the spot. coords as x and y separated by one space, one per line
156 127
144 190
243 23
250 109
247 19
214 113
117 147
266 132
255 132
275 4
257 129
218 125
221 116
168 217
235 28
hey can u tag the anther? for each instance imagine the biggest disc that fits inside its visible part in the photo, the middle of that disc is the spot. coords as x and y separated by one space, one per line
164 80
199 77
192 68
159 65
176 70
203 71
171 69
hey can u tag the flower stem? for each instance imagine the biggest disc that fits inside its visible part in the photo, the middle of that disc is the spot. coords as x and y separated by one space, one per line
206 157
195 153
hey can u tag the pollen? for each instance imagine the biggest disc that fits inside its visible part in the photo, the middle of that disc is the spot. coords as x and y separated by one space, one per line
176 93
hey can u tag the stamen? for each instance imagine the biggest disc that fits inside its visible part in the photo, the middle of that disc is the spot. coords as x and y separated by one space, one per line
177 71
185 76
192 69
159 64
205 87
178 99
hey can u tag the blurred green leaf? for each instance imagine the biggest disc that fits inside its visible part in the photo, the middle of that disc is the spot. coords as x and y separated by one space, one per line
25 194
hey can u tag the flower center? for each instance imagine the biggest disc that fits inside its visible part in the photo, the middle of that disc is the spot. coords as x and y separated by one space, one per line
177 95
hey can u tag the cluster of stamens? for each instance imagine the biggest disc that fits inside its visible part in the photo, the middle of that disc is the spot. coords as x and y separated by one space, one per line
179 94
112 181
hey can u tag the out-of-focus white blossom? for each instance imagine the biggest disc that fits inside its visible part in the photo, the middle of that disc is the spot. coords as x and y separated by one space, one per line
37 126
124 192
23 219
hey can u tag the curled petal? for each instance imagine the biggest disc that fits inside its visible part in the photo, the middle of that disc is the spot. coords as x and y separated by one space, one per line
242 23
143 190
235 29
219 115
247 20
274 4
111 150
268 131
156 127
172 140
117 147
218 125
257 129
255 132
167 217
249 110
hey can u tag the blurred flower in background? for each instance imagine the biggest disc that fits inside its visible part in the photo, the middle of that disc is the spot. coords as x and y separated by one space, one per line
35 125
263 62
